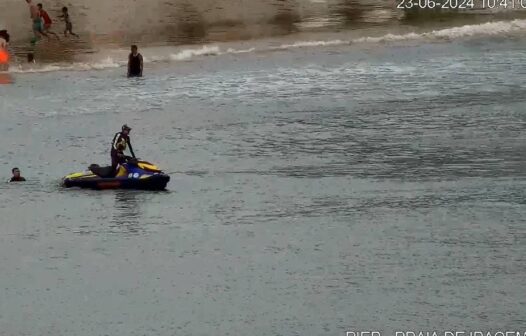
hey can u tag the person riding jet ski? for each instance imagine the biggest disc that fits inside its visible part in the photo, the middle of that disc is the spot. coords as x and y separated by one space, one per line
121 140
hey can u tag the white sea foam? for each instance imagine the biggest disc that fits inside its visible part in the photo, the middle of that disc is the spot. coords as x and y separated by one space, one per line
240 51
187 54
106 63
484 29
304 44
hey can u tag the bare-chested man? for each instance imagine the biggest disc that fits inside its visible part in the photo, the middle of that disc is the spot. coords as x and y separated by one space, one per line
38 27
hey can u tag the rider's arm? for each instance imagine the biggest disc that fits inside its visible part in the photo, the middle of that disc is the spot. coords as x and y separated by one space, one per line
131 148
115 141
140 58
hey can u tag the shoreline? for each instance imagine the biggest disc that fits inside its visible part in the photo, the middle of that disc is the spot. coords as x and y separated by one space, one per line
99 58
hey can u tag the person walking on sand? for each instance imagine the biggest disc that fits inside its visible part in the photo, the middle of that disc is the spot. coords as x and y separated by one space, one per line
69 25
46 21
34 14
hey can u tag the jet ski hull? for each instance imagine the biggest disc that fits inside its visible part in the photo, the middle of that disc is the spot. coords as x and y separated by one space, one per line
141 175
153 182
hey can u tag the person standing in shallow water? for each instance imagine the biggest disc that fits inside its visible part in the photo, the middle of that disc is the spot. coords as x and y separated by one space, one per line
135 63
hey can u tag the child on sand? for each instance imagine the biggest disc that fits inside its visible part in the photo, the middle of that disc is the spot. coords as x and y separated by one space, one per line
46 20
69 25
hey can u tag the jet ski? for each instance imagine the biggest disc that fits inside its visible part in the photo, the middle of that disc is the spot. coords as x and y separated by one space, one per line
133 174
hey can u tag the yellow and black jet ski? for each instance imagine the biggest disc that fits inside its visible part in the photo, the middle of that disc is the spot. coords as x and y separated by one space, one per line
133 174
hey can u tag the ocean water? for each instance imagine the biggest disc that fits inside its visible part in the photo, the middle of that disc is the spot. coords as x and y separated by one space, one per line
321 183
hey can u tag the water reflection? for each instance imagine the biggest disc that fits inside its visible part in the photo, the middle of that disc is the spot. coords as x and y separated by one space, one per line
6 78
127 214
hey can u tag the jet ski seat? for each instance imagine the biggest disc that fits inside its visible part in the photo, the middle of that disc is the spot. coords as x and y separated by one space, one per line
104 172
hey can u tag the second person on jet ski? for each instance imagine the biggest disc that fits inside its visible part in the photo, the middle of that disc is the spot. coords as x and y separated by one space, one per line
120 142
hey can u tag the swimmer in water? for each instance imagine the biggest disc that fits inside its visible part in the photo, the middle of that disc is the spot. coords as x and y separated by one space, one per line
46 21
69 25
16 176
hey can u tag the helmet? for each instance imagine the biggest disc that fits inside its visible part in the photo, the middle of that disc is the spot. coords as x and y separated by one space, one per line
126 127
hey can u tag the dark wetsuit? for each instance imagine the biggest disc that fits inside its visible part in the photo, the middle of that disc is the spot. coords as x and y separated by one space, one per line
135 65
117 155
17 179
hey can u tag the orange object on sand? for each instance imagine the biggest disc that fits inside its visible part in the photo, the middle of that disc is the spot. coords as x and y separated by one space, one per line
4 57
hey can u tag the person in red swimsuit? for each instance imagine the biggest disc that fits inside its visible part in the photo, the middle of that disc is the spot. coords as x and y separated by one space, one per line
46 20
4 54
